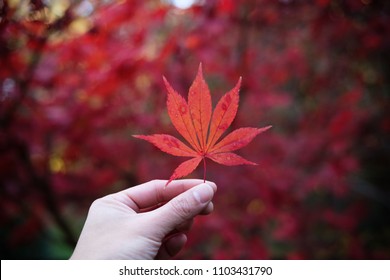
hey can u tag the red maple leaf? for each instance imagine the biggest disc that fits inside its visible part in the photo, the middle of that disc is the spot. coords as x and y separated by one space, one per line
202 129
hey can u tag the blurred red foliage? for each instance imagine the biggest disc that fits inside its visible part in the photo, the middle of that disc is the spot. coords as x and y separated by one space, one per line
77 79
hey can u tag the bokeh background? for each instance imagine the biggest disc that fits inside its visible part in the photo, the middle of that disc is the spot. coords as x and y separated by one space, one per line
78 78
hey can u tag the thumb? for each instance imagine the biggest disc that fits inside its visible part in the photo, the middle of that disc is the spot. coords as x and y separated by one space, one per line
183 207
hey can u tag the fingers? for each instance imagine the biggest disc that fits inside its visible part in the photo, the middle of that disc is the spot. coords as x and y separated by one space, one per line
154 193
208 209
185 226
183 208
174 241
171 246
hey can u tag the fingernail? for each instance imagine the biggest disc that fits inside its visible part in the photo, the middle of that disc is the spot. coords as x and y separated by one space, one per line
212 185
203 193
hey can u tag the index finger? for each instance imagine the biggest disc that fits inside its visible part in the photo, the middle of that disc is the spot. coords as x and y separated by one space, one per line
154 193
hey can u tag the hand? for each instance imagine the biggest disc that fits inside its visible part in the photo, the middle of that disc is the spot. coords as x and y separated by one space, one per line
147 221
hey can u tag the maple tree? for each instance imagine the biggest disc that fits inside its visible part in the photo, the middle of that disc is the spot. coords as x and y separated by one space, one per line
79 78
202 129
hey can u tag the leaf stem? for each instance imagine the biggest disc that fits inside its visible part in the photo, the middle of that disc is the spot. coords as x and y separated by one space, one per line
204 169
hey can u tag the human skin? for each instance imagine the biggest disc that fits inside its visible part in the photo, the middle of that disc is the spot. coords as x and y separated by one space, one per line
148 221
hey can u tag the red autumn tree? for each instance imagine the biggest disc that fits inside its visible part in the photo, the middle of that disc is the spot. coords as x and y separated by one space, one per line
77 79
